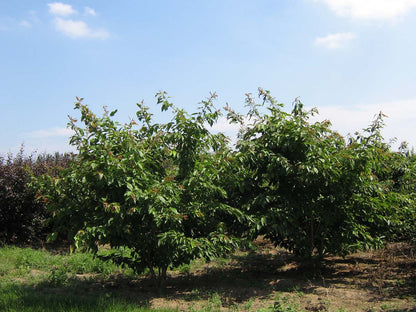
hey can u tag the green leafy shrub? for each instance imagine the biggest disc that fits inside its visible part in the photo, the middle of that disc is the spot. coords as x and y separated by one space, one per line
397 176
311 190
151 191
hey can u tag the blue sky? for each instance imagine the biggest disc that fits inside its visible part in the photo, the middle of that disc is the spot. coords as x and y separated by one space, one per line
348 58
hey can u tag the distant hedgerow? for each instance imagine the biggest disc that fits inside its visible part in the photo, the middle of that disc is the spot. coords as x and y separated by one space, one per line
22 218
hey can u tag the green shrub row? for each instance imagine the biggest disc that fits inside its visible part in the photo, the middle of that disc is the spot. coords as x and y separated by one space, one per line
163 194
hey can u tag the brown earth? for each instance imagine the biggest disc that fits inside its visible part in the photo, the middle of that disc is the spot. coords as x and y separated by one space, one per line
383 280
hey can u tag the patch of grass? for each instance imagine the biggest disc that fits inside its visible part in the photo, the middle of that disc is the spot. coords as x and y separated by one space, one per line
286 304
37 280
19 298
81 263
387 307
58 276
20 261
184 269
246 306
267 280
14 258
214 303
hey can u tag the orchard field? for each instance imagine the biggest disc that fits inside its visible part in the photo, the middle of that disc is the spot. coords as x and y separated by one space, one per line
171 216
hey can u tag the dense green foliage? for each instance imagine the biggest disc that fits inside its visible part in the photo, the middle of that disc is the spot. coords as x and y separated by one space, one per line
311 190
163 194
397 180
22 218
153 194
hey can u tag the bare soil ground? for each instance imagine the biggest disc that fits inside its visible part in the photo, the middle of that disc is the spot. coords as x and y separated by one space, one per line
383 280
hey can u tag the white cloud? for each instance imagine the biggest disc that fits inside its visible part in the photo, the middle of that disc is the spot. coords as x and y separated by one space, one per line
89 11
42 141
74 28
55 132
334 41
371 9
79 29
400 122
231 130
62 9
25 24
223 125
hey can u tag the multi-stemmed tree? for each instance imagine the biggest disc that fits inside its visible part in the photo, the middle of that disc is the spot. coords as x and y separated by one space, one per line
313 191
153 192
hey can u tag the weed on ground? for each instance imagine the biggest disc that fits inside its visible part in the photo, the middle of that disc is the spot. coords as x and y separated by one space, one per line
264 279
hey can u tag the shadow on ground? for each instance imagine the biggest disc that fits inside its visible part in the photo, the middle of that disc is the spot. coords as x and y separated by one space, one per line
248 276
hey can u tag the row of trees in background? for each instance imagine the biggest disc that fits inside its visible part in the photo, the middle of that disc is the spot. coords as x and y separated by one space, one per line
22 217
162 194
